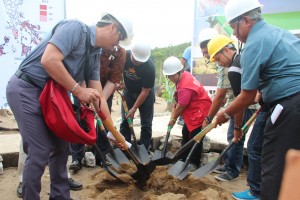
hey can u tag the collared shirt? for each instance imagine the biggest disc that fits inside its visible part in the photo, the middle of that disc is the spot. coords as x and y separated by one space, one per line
112 65
187 55
69 37
271 62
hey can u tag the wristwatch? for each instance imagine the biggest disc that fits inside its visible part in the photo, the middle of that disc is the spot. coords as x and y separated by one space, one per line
238 128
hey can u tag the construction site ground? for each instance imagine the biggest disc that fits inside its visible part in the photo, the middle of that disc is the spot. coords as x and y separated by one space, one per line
98 184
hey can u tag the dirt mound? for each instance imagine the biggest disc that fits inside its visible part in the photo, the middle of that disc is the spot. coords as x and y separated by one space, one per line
161 185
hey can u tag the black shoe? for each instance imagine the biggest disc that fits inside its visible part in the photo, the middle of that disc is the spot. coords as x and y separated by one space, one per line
19 190
74 185
75 165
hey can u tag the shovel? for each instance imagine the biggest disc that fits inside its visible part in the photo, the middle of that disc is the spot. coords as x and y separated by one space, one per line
180 153
139 150
181 169
160 154
209 167
115 156
105 165
143 170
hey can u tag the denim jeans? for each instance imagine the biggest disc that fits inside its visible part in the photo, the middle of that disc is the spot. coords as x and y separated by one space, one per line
254 147
146 116
234 156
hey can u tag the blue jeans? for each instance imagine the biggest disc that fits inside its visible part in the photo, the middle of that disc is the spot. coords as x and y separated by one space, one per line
146 116
234 156
254 146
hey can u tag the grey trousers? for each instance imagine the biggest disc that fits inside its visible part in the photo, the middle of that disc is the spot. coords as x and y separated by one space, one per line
39 143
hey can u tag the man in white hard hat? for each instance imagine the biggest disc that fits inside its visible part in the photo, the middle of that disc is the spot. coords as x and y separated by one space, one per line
139 78
61 56
192 102
271 63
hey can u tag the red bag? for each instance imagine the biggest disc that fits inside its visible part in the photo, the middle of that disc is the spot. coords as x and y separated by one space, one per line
60 116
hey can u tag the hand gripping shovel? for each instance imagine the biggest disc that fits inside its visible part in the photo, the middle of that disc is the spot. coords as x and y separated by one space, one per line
181 169
139 150
209 167
167 160
114 156
143 170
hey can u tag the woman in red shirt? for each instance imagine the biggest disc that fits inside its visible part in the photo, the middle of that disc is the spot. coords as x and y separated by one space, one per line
192 102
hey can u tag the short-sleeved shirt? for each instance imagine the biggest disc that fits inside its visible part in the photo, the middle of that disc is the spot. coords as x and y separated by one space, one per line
138 77
185 96
187 55
73 48
112 65
223 81
271 62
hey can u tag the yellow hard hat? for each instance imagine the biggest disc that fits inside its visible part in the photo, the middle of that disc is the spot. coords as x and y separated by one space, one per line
217 44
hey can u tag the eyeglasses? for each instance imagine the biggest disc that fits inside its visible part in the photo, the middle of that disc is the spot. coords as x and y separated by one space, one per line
122 32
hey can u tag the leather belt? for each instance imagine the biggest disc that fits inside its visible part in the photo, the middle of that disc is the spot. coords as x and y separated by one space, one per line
25 77
274 103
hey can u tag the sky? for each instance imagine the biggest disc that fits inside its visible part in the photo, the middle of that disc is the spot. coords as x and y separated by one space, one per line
161 23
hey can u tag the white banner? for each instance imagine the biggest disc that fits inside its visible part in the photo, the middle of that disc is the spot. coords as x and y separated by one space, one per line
22 25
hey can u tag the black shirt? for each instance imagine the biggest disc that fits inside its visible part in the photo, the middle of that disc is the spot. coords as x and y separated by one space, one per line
138 77
234 75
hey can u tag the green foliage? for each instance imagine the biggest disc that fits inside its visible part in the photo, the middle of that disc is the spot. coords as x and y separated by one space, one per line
168 90
159 55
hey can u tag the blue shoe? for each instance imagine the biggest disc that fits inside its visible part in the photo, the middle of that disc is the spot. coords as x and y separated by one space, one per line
245 195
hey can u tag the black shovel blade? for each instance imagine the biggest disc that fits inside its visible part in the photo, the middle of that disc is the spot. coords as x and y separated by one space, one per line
143 172
116 157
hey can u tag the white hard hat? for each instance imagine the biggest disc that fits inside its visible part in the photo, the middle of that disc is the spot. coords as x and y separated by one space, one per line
126 25
171 66
207 34
236 8
140 51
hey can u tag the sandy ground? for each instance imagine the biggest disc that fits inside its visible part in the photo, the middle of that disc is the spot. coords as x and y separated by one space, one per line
98 184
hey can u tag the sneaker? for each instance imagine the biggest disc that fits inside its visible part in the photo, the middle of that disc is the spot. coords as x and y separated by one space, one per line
245 195
225 177
19 190
75 165
220 169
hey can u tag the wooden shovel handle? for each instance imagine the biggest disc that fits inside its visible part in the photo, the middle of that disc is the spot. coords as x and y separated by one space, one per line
205 131
112 129
250 121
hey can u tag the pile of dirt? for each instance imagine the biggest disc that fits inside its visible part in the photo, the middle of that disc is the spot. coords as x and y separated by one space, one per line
160 186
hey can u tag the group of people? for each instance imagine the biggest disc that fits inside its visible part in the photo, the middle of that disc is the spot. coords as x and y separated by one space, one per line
62 58
266 71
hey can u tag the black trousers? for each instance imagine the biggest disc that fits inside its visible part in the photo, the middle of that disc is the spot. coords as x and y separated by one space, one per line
279 137
187 136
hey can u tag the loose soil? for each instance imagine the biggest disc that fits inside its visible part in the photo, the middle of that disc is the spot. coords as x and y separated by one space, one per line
98 184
